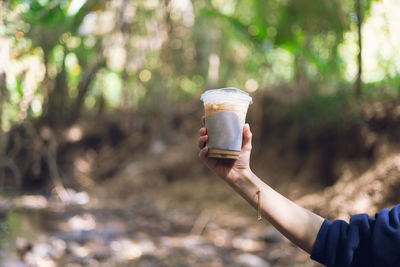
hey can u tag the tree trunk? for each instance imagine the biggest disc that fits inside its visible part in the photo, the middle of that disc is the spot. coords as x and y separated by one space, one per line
160 102
83 88
3 95
56 108
358 85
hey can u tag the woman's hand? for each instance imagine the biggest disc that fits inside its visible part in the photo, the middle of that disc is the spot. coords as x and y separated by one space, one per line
228 169
296 223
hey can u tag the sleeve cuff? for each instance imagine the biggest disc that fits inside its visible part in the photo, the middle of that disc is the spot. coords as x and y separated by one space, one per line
318 252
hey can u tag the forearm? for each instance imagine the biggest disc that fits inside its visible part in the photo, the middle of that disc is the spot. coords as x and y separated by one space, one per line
299 225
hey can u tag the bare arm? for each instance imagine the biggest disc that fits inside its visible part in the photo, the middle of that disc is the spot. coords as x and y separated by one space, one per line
299 225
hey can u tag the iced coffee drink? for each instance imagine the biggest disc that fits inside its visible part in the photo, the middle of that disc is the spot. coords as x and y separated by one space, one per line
225 111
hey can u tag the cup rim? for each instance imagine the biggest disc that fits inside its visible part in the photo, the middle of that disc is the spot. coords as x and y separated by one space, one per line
229 94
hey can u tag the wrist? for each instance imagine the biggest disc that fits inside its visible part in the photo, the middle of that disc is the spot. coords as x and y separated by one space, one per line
247 184
246 175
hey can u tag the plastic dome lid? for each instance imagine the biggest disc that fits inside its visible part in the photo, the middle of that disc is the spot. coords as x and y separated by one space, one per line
223 95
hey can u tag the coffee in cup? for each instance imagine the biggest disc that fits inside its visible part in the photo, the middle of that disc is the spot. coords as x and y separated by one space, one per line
225 111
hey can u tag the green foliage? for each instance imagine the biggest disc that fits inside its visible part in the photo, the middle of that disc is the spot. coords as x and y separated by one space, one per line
135 54
3 231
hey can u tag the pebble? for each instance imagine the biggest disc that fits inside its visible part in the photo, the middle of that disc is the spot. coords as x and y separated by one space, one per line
250 260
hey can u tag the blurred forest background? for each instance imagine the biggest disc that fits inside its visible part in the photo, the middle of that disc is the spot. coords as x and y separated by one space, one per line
100 112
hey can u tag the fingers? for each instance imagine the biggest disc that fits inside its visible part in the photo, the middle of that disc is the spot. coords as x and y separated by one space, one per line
202 141
203 154
247 136
203 131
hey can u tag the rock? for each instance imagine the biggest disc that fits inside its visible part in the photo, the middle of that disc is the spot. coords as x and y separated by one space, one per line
22 246
250 260
58 247
77 250
98 250
31 202
271 235
77 198
12 263
149 261
124 249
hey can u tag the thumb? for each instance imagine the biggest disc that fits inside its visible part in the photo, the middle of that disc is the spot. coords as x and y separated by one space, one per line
247 136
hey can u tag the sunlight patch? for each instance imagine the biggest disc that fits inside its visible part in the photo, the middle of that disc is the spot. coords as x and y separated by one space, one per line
75 6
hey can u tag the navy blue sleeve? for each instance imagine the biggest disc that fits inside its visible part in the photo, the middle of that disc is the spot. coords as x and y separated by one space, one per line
365 241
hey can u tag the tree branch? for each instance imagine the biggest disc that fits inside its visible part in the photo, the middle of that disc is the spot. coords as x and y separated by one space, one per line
358 86
83 88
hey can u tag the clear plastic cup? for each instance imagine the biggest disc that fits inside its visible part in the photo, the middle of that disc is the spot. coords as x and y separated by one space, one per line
225 111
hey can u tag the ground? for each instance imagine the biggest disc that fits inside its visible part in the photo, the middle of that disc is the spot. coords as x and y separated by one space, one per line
155 204
185 224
